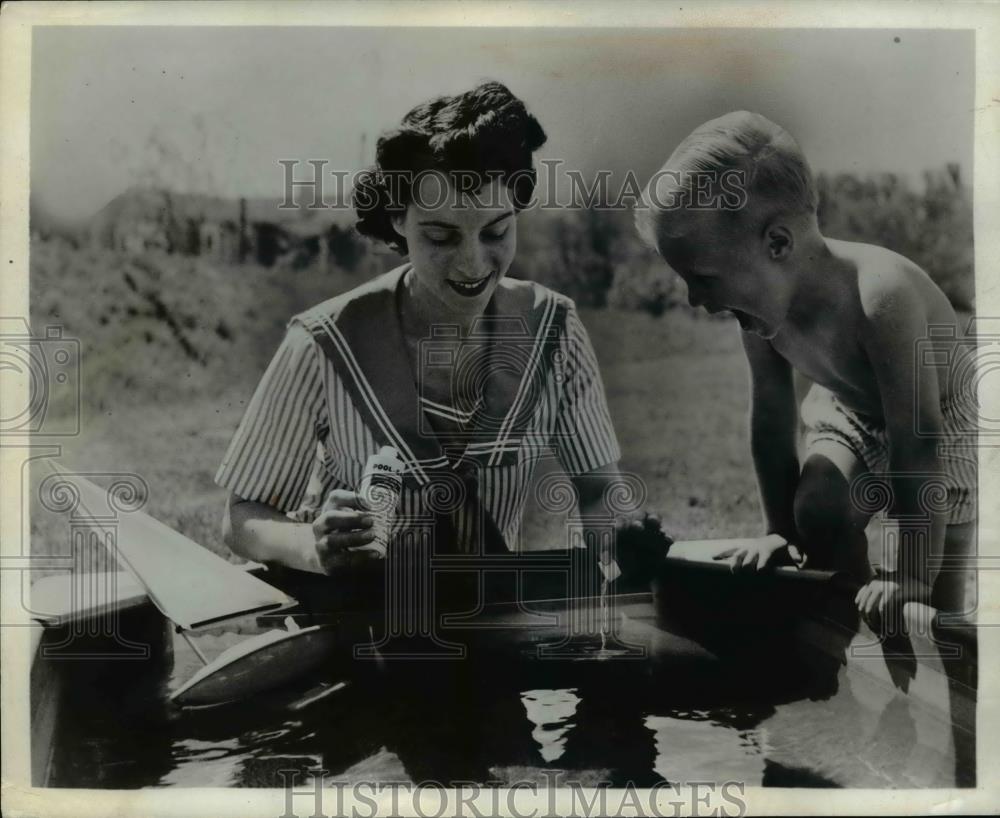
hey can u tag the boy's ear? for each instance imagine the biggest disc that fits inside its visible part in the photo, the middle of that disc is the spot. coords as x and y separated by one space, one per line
396 220
779 241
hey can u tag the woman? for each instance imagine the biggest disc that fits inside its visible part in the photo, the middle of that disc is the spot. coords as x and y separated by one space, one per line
470 376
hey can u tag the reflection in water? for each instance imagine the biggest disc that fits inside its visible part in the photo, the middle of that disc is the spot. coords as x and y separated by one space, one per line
509 718
551 712
691 742
192 749
213 761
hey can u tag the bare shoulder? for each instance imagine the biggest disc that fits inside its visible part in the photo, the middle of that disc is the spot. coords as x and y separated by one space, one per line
889 284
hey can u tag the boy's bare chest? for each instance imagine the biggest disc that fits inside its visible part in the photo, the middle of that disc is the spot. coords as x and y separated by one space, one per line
833 357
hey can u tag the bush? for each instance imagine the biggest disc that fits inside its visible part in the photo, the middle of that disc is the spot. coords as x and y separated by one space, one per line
650 287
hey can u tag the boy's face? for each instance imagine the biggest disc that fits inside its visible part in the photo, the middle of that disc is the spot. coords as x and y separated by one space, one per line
727 267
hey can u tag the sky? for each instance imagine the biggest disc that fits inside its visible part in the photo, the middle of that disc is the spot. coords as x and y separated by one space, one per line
213 109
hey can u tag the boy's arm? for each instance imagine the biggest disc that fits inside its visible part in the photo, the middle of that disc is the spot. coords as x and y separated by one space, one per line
773 425
895 321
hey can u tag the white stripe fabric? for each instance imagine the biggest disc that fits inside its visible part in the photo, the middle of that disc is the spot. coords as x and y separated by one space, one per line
302 436
271 456
450 413
532 363
583 434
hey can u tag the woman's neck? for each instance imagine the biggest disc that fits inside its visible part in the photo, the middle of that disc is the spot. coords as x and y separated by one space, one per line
420 312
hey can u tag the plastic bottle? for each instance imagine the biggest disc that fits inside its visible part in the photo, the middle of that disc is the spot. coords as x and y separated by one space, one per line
381 486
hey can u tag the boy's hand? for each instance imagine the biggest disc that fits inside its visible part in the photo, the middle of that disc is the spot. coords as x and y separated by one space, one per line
753 555
343 524
879 596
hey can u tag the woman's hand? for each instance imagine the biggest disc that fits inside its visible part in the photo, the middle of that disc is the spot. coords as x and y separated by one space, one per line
641 544
342 525
752 555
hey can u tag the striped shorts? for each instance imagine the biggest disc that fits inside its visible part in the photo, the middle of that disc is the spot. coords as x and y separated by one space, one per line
826 418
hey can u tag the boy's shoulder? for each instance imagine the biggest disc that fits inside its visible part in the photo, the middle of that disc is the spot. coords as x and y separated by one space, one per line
886 279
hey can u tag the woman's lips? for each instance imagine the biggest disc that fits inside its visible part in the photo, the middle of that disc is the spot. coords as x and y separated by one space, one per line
470 289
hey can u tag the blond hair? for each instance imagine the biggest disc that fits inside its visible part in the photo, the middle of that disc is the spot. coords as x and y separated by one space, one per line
773 172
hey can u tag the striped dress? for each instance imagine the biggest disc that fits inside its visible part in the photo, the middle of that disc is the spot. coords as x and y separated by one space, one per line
341 385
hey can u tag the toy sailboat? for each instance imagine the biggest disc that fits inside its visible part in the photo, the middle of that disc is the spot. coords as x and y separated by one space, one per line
191 586
195 589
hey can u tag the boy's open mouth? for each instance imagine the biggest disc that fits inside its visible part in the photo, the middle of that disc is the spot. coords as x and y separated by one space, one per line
747 322
751 323
470 289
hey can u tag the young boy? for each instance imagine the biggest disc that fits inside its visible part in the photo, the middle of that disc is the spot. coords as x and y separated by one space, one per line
733 212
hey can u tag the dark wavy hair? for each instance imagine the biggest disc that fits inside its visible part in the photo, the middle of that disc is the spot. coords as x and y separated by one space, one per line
481 134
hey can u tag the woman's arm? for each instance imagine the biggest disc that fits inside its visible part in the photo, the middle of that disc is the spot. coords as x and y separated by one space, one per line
268 465
259 532
591 489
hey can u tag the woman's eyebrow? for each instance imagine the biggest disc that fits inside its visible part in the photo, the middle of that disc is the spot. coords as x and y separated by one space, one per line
500 218
438 224
450 226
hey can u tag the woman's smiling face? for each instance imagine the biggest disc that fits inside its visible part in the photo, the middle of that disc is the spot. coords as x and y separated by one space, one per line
460 245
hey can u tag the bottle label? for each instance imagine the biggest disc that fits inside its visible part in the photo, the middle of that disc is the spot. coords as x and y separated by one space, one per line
380 489
391 481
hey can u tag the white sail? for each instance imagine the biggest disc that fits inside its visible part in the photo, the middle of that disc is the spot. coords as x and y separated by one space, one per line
190 585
